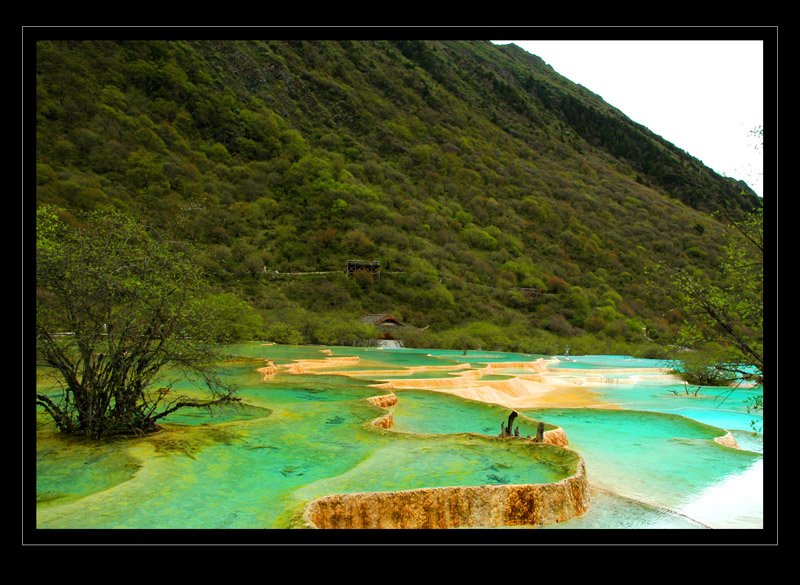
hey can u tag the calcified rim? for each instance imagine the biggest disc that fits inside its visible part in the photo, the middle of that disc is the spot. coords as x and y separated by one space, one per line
454 506
459 506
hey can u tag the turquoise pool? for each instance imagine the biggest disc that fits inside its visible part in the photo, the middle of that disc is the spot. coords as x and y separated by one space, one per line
650 456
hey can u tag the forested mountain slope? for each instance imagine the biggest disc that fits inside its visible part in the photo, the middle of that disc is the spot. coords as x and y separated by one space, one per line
469 170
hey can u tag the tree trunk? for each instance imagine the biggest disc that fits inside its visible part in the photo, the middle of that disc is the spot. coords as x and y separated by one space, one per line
511 418
506 430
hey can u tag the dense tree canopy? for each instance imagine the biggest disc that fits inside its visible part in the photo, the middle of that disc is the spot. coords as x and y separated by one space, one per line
470 171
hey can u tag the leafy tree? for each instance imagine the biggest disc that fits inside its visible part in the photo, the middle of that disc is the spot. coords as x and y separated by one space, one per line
229 319
113 311
284 333
731 310
699 367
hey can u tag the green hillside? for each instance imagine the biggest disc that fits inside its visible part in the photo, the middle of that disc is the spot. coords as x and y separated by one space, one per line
469 170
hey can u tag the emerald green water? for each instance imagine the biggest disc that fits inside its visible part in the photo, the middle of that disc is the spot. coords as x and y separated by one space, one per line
418 411
653 463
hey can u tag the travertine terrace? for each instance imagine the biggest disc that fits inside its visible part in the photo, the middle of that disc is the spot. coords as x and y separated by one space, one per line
457 506
530 386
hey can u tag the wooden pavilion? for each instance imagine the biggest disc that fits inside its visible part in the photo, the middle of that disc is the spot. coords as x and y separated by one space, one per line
384 322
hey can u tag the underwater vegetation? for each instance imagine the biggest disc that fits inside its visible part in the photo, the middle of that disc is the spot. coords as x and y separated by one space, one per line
305 437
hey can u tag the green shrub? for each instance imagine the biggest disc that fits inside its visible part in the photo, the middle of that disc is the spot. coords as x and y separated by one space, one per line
284 333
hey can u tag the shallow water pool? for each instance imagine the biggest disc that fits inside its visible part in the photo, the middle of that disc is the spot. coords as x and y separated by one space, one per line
650 458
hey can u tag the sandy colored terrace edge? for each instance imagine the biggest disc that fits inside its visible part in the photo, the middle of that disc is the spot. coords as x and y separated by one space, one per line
456 506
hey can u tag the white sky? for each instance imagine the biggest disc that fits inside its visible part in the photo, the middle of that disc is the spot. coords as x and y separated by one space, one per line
702 96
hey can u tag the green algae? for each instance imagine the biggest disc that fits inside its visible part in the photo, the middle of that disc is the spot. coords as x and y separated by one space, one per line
463 460
419 411
70 469
303 436
298 437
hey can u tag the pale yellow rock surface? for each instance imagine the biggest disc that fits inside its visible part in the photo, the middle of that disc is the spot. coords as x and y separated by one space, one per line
530 385
728 441
383 401
454 507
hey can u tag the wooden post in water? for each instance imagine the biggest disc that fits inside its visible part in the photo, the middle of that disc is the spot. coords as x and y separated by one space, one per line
505 430
511 418
540 432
